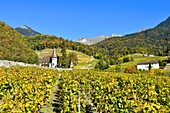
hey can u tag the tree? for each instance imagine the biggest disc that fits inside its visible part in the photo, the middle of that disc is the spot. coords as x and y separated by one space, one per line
112 62
102 65
64 59
56 45
117 69
131 70
150 66
63 52
127 59
72 57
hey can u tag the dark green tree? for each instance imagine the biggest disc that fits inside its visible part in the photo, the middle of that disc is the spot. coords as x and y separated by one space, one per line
72 58
64 59
102 65
117 69
150 66
112 62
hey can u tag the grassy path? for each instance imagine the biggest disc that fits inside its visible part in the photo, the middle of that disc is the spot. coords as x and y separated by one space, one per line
90 108
54 104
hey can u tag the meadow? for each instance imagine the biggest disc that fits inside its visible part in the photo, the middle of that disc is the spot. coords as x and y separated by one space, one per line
138 58
83 59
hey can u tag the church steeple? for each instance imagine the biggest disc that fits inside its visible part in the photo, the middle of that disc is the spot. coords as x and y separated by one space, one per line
54 53
54 60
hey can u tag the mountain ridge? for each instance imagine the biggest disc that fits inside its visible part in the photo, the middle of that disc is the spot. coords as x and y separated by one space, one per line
150 41
91 41
165 23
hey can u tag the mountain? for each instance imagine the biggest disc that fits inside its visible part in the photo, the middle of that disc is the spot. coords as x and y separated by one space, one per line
14 46
91 41
27 31
165 24
151 41
17 47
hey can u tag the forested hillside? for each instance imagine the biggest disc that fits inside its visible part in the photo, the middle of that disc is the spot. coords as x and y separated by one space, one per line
15 47
151 41
18 48
40 42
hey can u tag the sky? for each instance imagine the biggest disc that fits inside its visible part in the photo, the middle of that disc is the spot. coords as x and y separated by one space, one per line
73 19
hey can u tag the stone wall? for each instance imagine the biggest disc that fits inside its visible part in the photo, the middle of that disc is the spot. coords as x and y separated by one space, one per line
6 63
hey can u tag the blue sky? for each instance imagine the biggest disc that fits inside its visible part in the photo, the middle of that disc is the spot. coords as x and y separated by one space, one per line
72 19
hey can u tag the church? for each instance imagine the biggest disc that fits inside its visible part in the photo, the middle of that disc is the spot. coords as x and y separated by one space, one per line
50 61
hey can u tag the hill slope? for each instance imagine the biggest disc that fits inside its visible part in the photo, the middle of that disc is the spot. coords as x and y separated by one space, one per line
27 31
83 59
137 58
165 23
151 41
40 42
14 47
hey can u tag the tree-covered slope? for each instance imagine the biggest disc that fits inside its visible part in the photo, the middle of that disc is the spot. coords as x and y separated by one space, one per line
15 47
151 41
165 23
40 42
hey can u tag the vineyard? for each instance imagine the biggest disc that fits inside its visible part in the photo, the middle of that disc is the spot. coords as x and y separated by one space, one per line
88 91
110 92
25 89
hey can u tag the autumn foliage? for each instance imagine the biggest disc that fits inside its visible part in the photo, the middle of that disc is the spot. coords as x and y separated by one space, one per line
131 70
14 47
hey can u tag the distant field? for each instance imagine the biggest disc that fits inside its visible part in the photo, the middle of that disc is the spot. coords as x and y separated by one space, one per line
93 63
83 59
137 59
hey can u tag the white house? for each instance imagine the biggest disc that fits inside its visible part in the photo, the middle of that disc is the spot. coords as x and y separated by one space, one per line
50 61
145 65
148 55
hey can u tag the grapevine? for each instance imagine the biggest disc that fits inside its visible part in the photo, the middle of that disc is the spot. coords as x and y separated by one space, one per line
27 89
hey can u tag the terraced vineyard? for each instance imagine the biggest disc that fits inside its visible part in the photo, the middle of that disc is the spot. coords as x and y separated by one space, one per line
27 89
